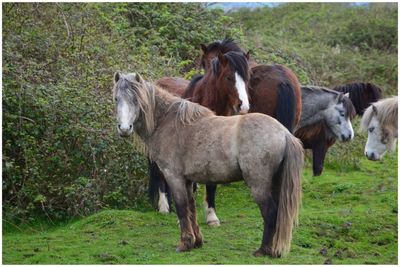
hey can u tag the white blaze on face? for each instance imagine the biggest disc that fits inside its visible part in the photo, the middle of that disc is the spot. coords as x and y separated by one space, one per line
125 115
339 124
241 88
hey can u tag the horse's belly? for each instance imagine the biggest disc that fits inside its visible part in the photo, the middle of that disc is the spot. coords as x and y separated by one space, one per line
213 172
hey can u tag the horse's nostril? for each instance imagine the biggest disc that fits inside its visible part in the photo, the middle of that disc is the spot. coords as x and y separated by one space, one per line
130 126
119 126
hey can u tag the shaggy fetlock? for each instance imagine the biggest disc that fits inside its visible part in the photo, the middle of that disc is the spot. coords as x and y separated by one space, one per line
187 243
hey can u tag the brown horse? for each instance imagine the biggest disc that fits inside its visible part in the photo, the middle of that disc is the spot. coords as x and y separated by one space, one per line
274 90
190 144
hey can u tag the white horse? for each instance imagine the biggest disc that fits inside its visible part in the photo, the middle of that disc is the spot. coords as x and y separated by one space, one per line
380 120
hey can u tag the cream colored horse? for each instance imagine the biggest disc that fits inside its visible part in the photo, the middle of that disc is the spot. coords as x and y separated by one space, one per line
380 120
190 144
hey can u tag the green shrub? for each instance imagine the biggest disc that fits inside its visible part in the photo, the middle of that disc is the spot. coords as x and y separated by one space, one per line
62 156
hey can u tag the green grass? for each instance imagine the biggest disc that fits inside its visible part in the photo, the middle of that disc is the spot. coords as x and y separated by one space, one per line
346 218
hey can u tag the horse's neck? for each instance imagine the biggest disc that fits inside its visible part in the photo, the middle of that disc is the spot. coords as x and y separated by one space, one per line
208 95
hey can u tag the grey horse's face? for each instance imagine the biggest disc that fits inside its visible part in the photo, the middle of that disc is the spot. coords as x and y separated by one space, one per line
380 140
126 105
338 122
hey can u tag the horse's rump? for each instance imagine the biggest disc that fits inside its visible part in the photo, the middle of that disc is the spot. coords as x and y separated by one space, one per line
174 85
275 91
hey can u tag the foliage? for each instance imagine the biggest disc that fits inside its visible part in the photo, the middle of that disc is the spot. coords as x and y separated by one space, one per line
327 43
61 154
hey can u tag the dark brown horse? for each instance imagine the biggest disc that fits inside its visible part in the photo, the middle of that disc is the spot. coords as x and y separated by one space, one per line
361 94
223 89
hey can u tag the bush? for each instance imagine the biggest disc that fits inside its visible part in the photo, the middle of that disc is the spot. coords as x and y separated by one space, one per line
61 153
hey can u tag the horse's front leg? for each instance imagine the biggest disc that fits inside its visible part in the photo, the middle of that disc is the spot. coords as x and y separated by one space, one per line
210 211
178 187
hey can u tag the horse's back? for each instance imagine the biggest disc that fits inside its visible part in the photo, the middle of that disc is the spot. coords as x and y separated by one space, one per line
174 85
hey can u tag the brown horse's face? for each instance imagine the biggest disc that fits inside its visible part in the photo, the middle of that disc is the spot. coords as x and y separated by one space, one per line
232 87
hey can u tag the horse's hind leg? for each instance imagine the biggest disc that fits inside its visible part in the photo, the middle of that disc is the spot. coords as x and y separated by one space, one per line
193 216
211 216
269 211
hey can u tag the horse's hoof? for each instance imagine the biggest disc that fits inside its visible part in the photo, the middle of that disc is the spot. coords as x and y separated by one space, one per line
214 223
163 211
260 253
182 248
198 243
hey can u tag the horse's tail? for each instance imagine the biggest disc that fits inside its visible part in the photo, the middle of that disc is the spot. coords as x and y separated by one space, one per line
154 182
289 196
286 105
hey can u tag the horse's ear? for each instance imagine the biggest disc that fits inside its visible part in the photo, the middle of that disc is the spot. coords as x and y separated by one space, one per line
346 95
203 48
117 76
139 78
374 110
247 55
222 59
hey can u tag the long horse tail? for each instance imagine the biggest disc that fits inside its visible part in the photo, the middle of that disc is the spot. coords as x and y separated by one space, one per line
154 182
289 195
286 105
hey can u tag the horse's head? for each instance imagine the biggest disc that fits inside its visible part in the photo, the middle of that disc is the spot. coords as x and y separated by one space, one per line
131 99
338 117
231 73
211 51
382 130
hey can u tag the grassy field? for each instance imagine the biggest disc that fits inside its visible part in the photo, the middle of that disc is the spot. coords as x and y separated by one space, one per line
346 218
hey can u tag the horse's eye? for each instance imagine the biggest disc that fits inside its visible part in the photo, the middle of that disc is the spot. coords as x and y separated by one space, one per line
116 99
228 78
342 113
371 129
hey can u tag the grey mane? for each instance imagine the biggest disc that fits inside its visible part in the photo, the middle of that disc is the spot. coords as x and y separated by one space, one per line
315 100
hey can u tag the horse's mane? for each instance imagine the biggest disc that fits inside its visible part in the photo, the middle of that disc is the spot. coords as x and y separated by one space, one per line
361 94
386 113
349 107
135 87
237 60
224 46
318 89
190 88
347 103
188 112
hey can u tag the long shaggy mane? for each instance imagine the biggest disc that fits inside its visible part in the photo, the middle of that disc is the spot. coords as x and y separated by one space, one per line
386 114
